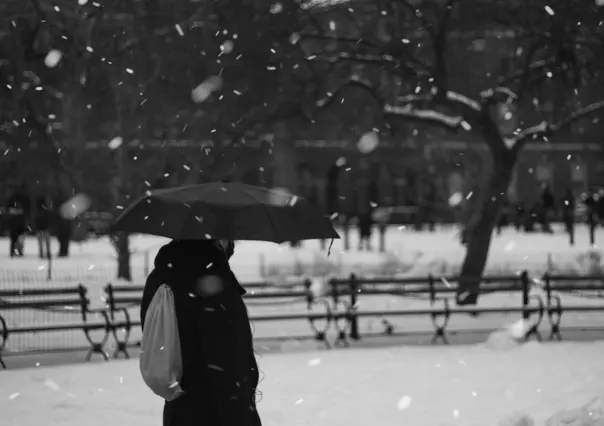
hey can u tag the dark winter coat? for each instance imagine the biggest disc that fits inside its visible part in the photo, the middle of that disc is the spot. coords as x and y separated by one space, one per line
220 374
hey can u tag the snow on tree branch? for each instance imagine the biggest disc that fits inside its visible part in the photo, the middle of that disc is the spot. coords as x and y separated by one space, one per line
452 122
449 96
407 110
501 93
364 58
540 65
409 63
545 129
354 81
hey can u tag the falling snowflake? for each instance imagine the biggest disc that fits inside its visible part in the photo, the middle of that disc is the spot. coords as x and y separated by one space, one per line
116 142
404 403
227 47
202 92
53 58
368 142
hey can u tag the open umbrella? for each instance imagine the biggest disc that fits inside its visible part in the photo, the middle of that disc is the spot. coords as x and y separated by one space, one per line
220 210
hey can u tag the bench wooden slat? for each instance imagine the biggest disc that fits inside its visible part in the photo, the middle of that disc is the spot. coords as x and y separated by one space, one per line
442 311
422 281
578 287
127 288
58 327
575 278
40 292
275 294
127 300
582 308
40 304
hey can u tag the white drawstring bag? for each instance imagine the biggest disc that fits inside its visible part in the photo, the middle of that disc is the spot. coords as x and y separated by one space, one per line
160 360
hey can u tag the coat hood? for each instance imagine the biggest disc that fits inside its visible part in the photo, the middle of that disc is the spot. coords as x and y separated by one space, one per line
188 258
187 255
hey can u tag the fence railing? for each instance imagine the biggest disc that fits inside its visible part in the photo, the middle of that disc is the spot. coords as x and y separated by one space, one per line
332 312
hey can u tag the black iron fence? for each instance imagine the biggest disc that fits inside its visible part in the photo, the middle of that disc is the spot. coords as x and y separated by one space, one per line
335 312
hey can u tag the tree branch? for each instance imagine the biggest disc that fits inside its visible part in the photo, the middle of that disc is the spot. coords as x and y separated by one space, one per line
439 43
388 60
425 23
427 115
382 56
501 92
545 129
407 110
198 14
353 81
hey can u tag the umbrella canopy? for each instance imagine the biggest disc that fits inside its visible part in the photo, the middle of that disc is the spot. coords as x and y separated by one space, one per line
232 211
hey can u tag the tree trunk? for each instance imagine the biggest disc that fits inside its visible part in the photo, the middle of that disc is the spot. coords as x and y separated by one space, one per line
121 242
480 229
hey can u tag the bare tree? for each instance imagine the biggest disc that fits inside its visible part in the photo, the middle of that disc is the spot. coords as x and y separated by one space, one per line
412 44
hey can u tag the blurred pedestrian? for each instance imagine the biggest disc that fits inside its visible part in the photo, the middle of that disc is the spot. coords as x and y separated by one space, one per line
504 216
43 222
520 216
62 229
17 211
591 205
568 214
367 192
219 369
548 206
427 206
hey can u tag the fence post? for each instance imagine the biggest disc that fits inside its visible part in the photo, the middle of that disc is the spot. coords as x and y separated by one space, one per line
354 322
432 289
526 289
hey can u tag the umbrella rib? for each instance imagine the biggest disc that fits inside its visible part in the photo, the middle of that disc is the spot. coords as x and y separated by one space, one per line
270 219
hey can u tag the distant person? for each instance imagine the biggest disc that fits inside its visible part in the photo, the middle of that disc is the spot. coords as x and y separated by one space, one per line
503 220
366 193
520 216
591 205
568 214
547 205
43 222
600 204
427 207
17 210
62 229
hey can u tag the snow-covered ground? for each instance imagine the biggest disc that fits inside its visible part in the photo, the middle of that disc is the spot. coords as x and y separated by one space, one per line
408 253
462 386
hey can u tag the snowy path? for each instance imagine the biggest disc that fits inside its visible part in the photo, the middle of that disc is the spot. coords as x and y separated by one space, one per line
464 386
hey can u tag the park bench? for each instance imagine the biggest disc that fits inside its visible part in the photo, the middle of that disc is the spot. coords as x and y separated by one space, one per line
67 300
586 287
345 294
120 298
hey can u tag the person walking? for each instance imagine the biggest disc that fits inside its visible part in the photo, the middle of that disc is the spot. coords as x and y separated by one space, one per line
568 214
42 222
548 206
219 369
17 224
591 205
